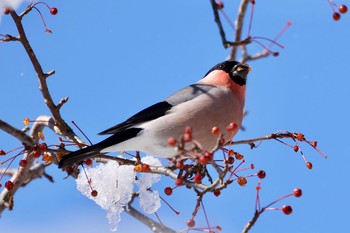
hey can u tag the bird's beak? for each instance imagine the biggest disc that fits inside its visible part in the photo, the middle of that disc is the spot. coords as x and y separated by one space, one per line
242 70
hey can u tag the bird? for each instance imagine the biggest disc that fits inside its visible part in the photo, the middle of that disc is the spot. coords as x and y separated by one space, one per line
216 100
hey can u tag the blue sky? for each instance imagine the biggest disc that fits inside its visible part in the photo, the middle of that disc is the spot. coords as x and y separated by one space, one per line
114 58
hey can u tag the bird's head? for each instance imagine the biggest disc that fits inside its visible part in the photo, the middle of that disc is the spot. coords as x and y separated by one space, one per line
237 71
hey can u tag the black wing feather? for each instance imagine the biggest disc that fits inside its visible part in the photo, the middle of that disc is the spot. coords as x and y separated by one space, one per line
150 113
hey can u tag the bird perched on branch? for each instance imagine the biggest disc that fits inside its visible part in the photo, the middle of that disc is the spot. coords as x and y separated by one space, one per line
216 100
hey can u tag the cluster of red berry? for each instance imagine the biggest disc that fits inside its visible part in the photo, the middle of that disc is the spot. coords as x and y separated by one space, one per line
337 10
194 173
33 5
35 151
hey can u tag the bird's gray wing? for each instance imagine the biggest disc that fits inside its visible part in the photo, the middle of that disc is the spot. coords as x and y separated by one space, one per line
162 108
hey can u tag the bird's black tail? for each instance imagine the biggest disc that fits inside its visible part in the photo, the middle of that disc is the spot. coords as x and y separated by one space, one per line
95 150
80 155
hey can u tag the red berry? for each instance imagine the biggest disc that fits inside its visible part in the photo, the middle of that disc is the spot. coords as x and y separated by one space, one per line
296 148
179 182
188 134
343 9
171 141
6 11
36 153
238 156
217 193
287 209
242 181
43 146
314 143
220 5
53 11
191 223
94 193
336 16
47 158
252 166
231 127
168 191
215 130
2 152
146 168
197 178
23 163
88 162
297 192
180 165
208 155
9 185
203 160
206 158
275 54
231 153
188 129
309 165
230 160
138 168
300 137
261 174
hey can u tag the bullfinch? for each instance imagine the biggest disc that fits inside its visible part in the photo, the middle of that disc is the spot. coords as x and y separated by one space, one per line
217 100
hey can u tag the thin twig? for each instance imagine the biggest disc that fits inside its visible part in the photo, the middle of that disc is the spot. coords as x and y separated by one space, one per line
218 22
153 225
225 42
239 27
8 172
8 38
264 138
62 102
251 223
256 56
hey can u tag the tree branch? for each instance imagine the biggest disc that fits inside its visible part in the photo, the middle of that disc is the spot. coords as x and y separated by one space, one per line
20 135
153 225
62 128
